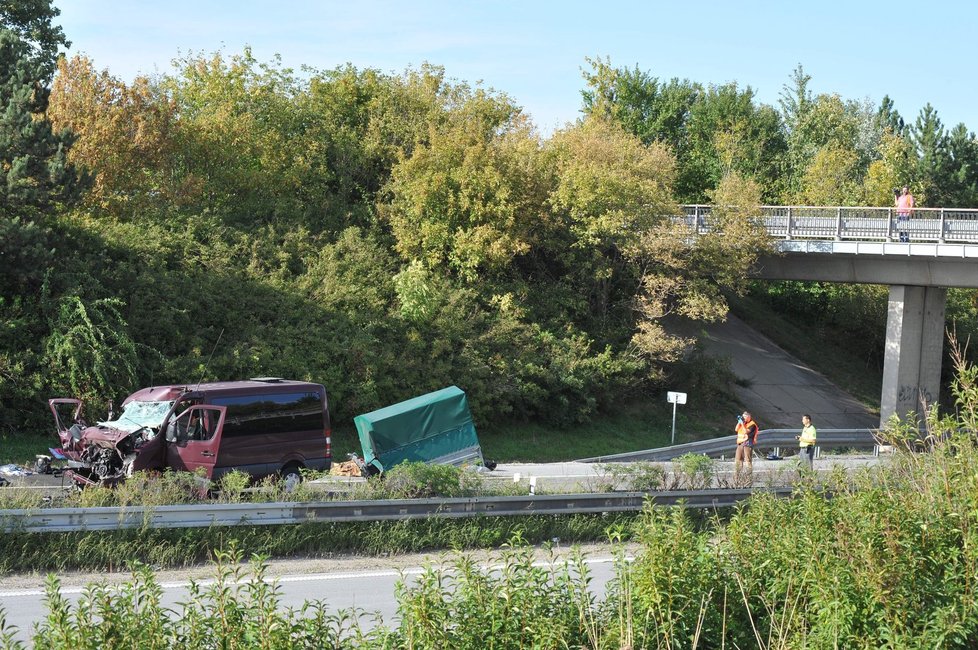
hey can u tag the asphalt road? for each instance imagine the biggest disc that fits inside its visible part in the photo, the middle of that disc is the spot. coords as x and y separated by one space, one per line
780 389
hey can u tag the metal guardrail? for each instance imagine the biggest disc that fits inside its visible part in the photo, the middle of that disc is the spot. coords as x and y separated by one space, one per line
49 520
855 223
773 439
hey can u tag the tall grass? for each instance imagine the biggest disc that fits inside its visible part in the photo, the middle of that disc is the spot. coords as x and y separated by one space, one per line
120 550
515 604
889 561
240 609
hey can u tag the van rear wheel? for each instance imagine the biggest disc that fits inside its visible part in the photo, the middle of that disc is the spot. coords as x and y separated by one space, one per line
291 477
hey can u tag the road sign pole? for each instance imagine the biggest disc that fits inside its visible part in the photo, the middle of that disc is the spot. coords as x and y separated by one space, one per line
675 398
674 423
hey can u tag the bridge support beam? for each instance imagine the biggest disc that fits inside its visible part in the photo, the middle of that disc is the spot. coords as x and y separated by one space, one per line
914 350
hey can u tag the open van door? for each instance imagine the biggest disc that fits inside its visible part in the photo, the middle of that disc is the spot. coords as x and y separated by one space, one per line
67 420
193 438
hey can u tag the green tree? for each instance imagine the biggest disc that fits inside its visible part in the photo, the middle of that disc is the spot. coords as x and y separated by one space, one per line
890 118
232 155
125 136
610 189
962 154
470 200
728 132
831 142
831 178
795 99
35 175
654 111
894 165
90 350
930 142
830 122
710 131
31 22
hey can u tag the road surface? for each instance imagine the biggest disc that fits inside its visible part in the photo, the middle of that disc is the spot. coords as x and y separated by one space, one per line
780 388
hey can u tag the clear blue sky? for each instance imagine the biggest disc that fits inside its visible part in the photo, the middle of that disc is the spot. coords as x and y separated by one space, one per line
917 52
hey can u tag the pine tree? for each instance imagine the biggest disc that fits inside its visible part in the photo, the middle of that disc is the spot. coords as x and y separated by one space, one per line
930 141
888 116
35 175
963 168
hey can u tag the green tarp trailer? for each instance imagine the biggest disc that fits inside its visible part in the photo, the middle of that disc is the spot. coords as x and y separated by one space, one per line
434 428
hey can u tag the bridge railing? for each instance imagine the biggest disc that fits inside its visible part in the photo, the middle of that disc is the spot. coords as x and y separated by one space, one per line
951 225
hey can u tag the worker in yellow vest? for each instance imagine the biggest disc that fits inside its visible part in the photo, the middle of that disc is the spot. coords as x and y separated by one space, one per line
746 431
806 441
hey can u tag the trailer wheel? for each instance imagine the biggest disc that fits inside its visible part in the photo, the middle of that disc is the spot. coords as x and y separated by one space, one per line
291 477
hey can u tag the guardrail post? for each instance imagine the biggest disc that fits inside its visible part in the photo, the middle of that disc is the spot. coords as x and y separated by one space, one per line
838 223
889 224
940 234
790 218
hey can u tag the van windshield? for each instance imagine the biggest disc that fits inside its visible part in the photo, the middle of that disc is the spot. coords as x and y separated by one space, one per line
136 415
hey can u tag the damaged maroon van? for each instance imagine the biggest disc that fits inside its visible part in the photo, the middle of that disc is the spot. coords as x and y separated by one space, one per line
261 426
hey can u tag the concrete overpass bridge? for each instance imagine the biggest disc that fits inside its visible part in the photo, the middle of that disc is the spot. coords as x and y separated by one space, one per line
919 258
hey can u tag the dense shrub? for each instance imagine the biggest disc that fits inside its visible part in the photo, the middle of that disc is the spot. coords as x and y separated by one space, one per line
416 480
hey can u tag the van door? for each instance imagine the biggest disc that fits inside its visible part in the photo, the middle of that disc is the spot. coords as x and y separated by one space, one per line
67 420
194 438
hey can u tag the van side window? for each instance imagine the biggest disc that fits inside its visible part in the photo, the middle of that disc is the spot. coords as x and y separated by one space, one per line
271 413
192 425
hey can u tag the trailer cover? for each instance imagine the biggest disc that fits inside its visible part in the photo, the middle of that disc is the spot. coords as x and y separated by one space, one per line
434 428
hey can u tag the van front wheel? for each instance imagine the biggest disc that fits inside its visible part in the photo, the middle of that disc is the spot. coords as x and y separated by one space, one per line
291 477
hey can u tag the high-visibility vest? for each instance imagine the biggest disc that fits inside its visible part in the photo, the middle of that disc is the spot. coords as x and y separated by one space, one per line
746 431
808 434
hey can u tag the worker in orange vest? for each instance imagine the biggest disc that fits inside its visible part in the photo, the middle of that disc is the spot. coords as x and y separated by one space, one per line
746 431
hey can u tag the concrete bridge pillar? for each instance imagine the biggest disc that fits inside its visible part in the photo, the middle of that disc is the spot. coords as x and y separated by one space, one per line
914 350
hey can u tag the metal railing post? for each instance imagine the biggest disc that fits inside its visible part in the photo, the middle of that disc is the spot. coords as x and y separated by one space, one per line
838 223
787 235
889 224
940 234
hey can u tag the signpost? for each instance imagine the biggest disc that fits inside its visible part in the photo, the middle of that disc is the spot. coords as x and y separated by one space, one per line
675 398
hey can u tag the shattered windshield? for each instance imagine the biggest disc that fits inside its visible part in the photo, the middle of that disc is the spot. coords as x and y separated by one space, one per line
140 414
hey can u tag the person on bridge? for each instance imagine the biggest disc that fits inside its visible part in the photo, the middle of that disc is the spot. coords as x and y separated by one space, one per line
746 431
904 208
806 442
